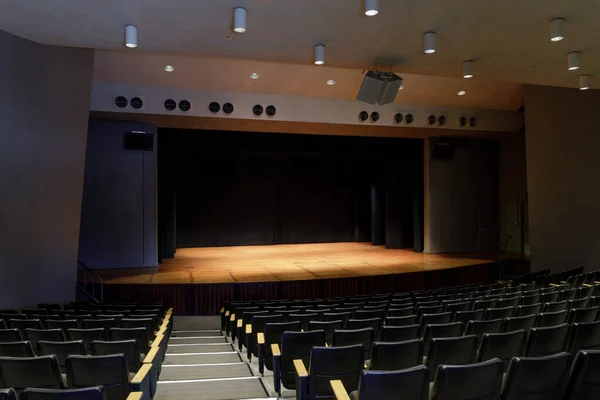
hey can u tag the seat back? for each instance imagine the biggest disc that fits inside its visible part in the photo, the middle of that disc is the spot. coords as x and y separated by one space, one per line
22 324
374 323
103 323
429 319
328 326
370 314
52 335
451 351
9 394
304 319
470 381
584 335
10 335
550 297
528 309
399 333
555 306
90 393
478 328
140 335
22 372
545 341
86 335
62 350
503 346
495 313
343 316
364 337
551 318
430 309
484 304
401 321
401 312
108 371
583 314
529 299
274 335
452 329
466 316
460 306
62 324
297 345
508 302
537 378
388 356
525 323
412 383
584 383
128 348
16 349
148 323
329 363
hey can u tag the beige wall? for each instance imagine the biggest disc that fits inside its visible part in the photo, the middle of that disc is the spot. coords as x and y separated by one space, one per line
44 107
563 170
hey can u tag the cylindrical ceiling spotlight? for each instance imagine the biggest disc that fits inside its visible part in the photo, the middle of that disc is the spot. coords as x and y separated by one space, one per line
573 59
584 82
557 29
468 69
239 20
371 7
131 36
319 54
429 43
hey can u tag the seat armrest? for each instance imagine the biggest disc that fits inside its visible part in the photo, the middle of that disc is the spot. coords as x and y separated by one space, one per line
248 329
222 310
152 354
239 323
260 338
227 313
339 391
300 368
135 396
141 382
153 359
276 368
587 285
301 380
232 317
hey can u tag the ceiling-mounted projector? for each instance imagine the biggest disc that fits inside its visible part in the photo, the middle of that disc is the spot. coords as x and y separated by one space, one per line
379 87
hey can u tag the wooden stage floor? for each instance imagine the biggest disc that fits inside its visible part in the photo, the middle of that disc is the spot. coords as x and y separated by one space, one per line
276 263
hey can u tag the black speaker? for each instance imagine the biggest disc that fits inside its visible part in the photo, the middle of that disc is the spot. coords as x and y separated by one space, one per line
138 141
443 151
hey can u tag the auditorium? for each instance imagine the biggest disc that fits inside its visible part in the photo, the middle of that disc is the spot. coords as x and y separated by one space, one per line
261 200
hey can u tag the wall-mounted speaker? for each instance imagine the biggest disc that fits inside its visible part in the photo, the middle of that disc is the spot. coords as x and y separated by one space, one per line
184 105
257 110
441 120
270 111
462 121
374 116
363 116
472 122
379 87
170 104
398 118
228 108
214 107
409 119
121 101
136 103
431 119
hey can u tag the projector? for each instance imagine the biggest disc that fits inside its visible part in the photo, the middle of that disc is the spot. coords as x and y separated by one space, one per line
379 87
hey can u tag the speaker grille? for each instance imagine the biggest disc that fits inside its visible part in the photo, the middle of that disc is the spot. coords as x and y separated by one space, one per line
170 104
121 101
214 107
227 108
270 111
184 105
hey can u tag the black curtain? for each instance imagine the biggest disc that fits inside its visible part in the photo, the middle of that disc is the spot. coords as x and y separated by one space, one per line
239 188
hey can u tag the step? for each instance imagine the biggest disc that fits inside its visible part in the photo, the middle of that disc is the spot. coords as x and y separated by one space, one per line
205 358
205 371
198 348
198 340
213 389
195 333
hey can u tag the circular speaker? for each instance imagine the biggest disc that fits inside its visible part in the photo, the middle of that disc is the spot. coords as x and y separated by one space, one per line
121 101
441 120
409 118
270 110
363 116
398 118
374 116
214 107
227 108
184 105
257 110
170 104
462 121
431 119
136 103
472 122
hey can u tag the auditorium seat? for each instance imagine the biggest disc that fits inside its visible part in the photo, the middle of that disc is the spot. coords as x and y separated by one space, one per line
396 355
89 393
16 349
328 326
536 378
128 348
374 323
495 313
411 384
429 319
364 337
584 335
246 319
273 335
51 335
104 323
22 372
452 329
525 322
294 346
547 340
44 318
64 325
369 314
401 312
22 324
503 346
550 297
451 351
584 381
508 302
528 300
140 335
484 304
432 309
86 335
466 316
10 335
62 313
258 326
555 306
579 303
584 292
304 319
62 350
583 315
399 333
343 316
351 310
551 318
470 381
9 394
528 309
401 321
461 306
78 317
328 363
478 328
31 311
568 294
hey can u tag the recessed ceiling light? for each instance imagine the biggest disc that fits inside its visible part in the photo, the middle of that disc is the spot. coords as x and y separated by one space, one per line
254 75
331 82
462 92
169 68
401 87
556 30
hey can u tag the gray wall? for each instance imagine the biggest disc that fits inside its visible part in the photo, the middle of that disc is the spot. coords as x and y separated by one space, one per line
462 198
44 106
118 216
563 166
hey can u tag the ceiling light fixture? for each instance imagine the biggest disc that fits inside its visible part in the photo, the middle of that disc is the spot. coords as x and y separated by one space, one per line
169 68
584 82
401 87
573 60
331 82
255 75
468 69
131 36
239 20
556 30
319 54
462 92
371 7
429 43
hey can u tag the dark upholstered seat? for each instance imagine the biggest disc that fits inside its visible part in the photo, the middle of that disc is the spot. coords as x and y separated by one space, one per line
109 371
452 329
396 355
584 335
399 333
551 318
90 393
451 351
62 350
128 348
525 323
584 382
140 335
546 341
273 335
504 346
365 337
408 384
22 372
470 381
10 335
52 335
328 326
16 349
86 335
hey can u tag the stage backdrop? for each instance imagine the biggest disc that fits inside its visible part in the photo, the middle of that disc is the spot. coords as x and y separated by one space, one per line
248 188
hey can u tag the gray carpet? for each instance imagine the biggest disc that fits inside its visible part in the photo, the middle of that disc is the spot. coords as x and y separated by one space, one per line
198 348
197 340
202 359
211 390
181 323
205 372
195 333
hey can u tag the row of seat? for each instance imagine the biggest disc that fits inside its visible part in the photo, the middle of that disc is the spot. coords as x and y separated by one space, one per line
149 324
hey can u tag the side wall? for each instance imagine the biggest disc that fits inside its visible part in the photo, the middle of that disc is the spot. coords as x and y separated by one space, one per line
44 107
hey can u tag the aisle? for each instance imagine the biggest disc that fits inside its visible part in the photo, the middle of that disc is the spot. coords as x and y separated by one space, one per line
202 363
